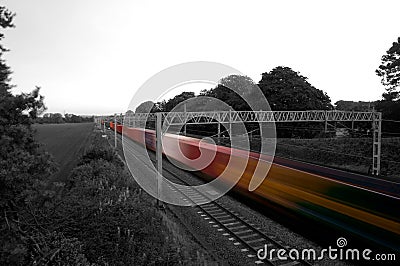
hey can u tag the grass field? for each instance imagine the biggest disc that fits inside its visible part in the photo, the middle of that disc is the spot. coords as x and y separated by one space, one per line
65 142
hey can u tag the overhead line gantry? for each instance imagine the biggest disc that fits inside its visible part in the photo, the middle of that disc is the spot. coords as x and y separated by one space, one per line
232 117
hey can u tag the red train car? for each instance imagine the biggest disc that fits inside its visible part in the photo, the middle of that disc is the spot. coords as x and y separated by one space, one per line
370 214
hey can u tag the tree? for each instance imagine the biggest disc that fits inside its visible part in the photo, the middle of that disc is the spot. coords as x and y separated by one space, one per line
6 18
146 107
225 91
55 118
129 112
171 103
354 106
286 89
17 112
24 167
389 71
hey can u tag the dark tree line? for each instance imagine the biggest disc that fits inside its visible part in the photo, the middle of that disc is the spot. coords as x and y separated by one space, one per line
284 88
57 118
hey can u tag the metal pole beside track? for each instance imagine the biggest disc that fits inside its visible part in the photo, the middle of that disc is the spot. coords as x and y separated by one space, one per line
184 126
230 123
115 130
326 121
159 156
219 128
377 141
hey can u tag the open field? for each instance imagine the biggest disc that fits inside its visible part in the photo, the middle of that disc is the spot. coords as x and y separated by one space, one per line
65 142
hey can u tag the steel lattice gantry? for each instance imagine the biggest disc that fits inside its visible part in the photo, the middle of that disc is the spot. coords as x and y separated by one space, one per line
180 118
231 117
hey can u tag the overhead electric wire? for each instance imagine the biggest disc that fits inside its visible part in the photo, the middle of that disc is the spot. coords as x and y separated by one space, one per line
389 120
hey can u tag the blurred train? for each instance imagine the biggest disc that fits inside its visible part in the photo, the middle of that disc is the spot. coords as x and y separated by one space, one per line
345 201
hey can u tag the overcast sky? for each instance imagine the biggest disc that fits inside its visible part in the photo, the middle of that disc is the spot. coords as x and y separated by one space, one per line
89 56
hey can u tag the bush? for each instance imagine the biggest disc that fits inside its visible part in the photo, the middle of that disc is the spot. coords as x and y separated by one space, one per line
109 215
96 153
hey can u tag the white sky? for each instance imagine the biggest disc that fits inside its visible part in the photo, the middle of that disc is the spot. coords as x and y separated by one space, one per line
89 56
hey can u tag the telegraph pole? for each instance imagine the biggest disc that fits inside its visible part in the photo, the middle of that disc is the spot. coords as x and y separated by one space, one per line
377 142
115 130
219 128
159 156
326 121
184 126
230 123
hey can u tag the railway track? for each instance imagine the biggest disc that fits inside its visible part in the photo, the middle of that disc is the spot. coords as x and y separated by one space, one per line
237 229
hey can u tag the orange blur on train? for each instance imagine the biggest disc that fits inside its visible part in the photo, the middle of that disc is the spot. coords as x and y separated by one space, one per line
367 213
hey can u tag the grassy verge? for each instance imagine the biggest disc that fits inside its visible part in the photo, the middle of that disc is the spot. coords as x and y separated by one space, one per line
116 223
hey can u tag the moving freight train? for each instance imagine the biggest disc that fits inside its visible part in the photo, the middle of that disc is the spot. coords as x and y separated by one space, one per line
345 201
